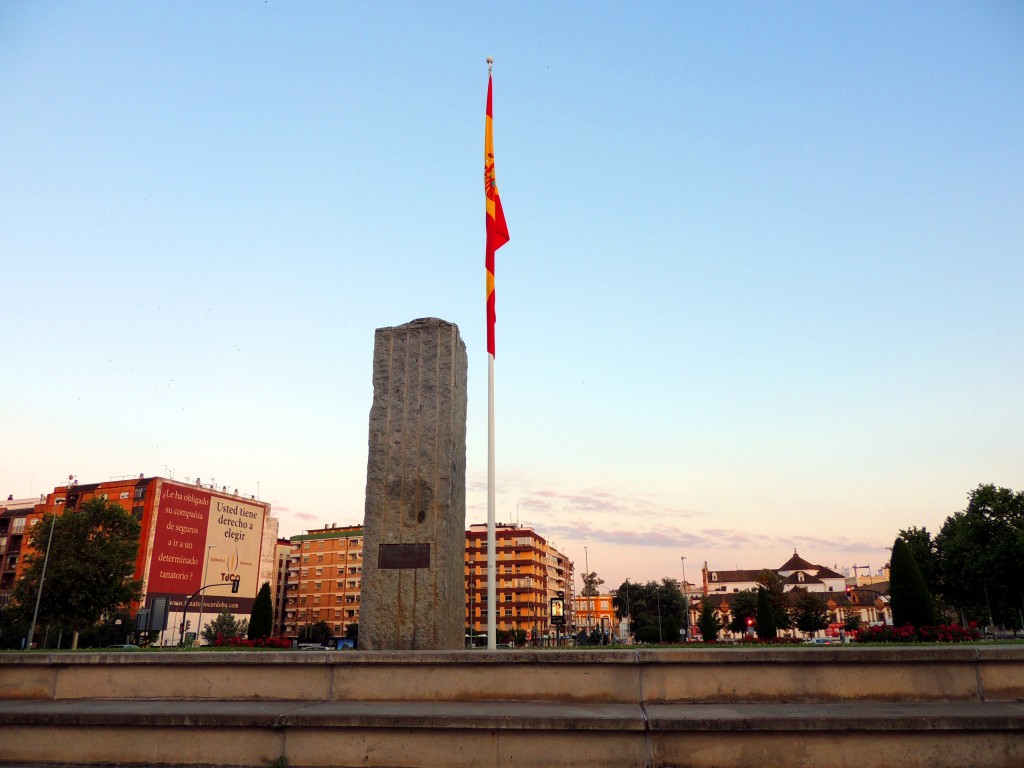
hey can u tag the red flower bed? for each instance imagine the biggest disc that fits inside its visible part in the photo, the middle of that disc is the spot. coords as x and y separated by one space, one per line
944 633
244 642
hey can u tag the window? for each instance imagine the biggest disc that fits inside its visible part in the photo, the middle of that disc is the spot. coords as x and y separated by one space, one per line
305 545
508 611
18 526
316 585
319 545
320 558
316 600
508 598
714 577
305 572
124 495
319 571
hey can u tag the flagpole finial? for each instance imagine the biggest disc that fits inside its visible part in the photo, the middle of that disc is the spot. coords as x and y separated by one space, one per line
490 63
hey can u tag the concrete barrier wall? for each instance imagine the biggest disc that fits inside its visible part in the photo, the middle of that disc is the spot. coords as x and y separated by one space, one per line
973 673
778 708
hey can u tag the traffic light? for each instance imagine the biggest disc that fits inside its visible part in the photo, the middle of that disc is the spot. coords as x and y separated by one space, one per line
750 622
849 590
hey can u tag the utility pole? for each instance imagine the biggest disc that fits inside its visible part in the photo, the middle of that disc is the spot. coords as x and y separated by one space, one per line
42 577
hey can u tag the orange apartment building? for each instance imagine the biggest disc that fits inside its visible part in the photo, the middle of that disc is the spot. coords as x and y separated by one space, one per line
192 535
596 612
14 530
529 573
323 579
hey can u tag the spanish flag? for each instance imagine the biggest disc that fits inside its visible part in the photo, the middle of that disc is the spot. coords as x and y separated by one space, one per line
497 231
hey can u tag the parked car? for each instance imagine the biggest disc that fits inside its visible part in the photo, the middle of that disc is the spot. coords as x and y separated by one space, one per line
823 641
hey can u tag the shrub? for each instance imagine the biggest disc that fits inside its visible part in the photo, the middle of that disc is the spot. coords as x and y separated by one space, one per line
943 633
236 641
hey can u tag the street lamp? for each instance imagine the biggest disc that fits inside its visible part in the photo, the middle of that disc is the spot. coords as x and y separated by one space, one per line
39 593
586 564
629 615
686 599
202 597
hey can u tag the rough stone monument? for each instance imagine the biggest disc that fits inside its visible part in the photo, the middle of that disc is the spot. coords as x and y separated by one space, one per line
413 588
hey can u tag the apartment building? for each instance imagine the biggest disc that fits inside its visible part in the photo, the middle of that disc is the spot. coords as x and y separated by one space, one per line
530 572
595 612
323 579
193 535
14 529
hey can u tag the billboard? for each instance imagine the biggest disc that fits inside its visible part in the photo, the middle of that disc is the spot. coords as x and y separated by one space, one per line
203 537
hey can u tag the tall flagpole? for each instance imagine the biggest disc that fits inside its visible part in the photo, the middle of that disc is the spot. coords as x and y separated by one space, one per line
492 548
497 236
492 539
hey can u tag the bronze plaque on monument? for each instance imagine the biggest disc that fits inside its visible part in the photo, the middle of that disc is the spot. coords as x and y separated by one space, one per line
393 556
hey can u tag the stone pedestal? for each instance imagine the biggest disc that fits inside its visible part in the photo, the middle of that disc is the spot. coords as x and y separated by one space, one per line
413 588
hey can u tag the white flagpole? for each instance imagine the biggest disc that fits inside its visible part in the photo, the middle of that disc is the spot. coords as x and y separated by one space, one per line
492 549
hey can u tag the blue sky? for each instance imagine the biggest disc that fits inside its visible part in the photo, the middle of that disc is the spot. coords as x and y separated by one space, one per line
762 291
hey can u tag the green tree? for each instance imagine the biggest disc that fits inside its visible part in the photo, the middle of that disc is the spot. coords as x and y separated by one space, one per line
225 625
649 604
318 632
90 566
591 584
742 607
910 599
852 623
981 555
766 629
13 627
778 598
925 552
809 610
113 629
708 623
672 629
261 620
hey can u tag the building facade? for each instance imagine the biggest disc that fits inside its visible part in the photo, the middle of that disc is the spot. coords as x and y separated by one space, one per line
15 515
530 572
596 612
195 538
720 585
323 580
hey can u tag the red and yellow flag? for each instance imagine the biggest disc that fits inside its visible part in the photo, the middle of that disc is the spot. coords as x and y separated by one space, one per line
497 230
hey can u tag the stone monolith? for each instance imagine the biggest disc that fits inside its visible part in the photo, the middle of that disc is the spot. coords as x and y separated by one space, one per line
413 588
